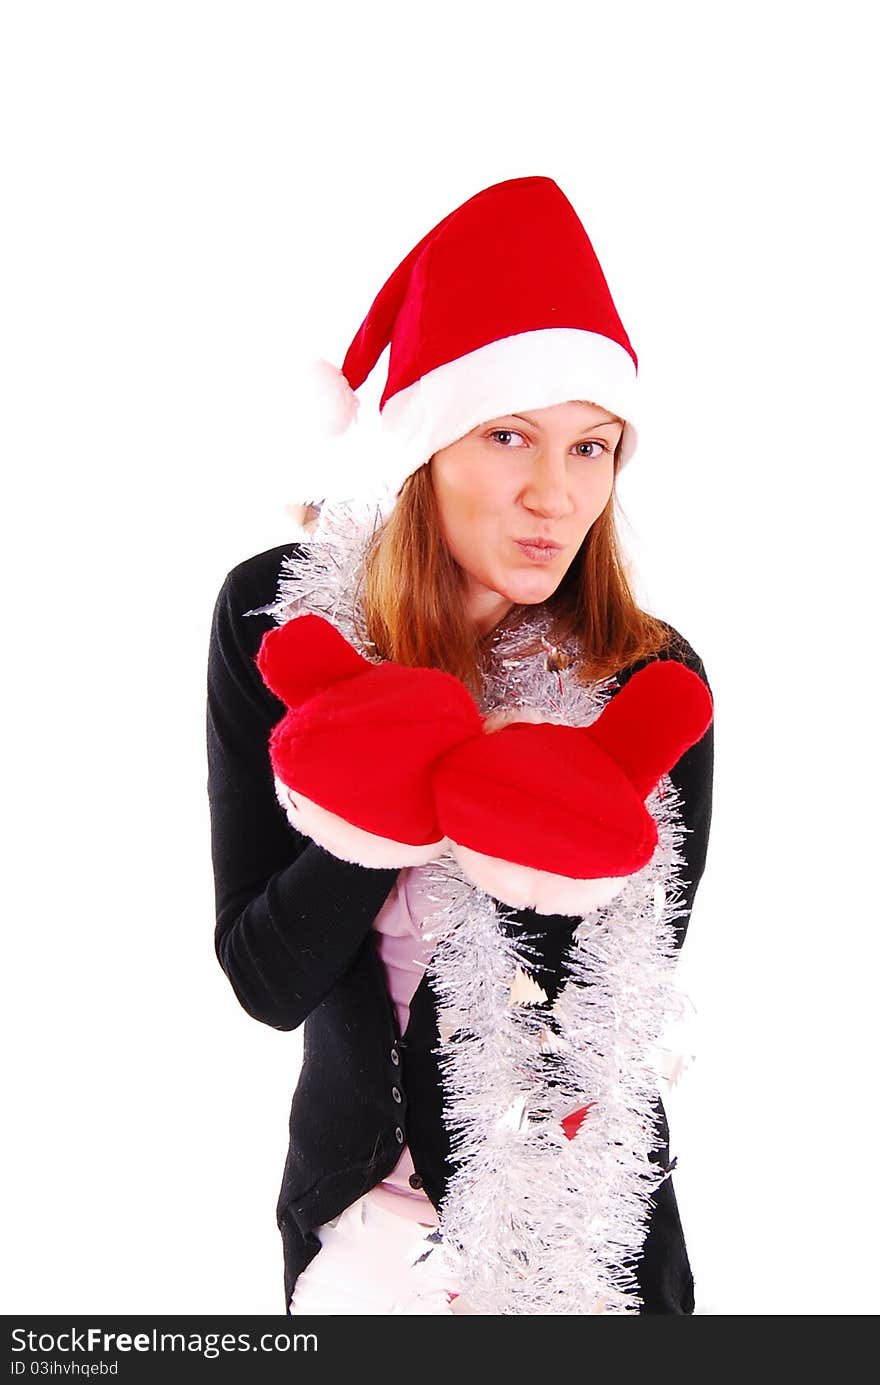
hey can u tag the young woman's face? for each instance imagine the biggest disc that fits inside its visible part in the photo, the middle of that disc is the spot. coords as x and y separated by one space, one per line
545 475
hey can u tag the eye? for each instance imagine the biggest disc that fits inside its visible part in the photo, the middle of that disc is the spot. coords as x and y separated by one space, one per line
504 433
594 442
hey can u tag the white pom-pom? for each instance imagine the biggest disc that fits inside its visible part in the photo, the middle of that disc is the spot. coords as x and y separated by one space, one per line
333 404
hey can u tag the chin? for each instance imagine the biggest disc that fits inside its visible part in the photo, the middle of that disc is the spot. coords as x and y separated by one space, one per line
534 591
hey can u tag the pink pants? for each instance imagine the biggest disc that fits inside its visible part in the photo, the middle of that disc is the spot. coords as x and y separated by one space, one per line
373 1262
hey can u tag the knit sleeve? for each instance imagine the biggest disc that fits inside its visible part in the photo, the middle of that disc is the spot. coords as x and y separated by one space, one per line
290 917
692 776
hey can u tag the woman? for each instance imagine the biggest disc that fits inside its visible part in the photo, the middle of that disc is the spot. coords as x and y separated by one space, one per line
476 1127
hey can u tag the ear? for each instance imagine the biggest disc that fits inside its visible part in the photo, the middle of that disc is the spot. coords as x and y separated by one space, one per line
660 713
304 656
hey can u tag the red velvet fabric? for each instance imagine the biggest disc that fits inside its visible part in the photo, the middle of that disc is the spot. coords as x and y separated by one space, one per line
560 799
513 258
570 800
351 722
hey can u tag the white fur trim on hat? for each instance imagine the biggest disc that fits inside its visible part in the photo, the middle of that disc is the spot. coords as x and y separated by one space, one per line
370 460
532 370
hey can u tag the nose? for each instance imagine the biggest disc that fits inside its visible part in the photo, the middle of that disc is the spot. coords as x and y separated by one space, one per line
547 489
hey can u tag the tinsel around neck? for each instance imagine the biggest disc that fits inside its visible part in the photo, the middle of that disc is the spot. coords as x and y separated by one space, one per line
535 1219
328 578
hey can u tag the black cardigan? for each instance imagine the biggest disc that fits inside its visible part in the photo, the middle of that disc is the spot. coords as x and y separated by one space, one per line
294 935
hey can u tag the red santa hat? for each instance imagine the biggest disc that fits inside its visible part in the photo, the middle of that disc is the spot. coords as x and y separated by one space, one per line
501 307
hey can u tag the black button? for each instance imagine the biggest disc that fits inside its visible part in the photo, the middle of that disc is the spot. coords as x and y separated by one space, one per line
415 1180
398 1135
395 1056
395 1092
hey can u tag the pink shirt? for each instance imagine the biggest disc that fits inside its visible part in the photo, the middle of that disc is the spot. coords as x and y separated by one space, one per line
405 955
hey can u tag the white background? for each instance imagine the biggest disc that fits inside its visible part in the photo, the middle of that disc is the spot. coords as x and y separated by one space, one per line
197 194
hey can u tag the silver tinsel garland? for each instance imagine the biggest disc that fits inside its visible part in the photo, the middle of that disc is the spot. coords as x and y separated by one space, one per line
534 1222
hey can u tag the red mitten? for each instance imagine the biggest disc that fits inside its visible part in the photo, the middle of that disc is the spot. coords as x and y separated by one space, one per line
553 818
351 758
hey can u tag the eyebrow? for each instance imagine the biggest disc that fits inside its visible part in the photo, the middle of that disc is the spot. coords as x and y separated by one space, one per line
607 422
